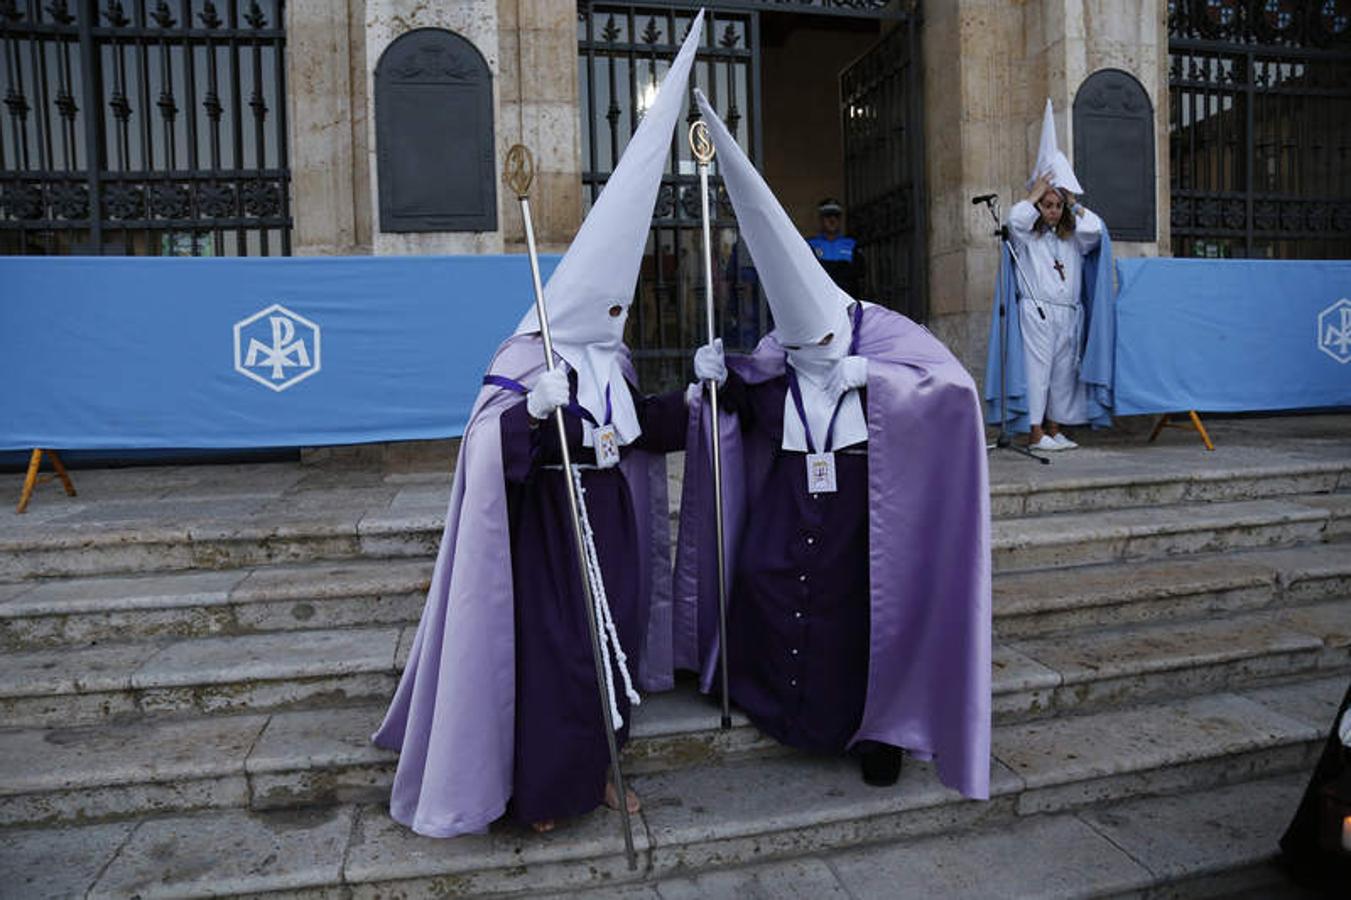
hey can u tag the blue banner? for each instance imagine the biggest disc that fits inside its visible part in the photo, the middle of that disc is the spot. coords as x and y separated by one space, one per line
1232 335
129 353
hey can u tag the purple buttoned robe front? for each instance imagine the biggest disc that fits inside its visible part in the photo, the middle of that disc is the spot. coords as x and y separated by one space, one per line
928 686
452 718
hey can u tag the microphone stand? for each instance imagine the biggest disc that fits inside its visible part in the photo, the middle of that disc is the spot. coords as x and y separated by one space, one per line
1003 440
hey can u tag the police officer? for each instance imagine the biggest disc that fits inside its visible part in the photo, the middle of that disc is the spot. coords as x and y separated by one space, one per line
838 254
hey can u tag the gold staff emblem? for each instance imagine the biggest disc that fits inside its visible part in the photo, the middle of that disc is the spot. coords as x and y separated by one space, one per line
518 171
700 145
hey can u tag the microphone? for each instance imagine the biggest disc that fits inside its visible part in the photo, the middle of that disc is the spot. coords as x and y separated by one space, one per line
983 198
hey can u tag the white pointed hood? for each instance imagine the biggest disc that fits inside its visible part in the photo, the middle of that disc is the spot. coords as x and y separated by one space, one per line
600 268
1050 159
806 303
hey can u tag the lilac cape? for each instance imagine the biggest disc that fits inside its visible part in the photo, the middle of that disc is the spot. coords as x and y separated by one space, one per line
929 545
452 718
1097 344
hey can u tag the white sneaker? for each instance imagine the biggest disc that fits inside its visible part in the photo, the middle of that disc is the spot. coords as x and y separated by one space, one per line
1064 443
1045 444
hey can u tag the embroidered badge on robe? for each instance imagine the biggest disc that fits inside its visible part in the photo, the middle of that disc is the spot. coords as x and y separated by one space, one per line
821 473
607 447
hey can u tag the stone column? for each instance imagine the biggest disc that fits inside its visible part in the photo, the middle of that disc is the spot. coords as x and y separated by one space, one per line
321 132
539 106
475 20
975 89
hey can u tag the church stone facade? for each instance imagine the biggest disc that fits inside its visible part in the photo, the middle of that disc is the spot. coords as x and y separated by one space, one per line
988 67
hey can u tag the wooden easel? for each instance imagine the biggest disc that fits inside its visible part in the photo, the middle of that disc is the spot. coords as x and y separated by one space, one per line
1194 422
31 480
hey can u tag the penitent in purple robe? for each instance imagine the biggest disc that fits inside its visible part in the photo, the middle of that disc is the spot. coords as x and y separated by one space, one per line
561 755
798 613
453 718
928 543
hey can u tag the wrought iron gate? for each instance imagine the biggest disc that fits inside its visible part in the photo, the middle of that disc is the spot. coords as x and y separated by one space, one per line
143 127
1260 128
624 50
881 98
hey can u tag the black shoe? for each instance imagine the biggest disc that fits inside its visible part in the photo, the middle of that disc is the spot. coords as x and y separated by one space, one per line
881 763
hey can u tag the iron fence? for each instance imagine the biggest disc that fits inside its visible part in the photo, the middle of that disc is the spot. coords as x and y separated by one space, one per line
143 127
880 97
624 51
1260 128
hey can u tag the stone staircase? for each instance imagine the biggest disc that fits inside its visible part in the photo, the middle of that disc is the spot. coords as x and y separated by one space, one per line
189 674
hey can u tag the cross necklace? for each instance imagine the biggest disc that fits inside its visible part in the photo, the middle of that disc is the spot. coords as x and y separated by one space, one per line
1057 265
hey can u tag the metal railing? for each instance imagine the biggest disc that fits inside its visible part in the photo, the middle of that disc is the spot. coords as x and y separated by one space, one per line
1260 128
624 50
143 127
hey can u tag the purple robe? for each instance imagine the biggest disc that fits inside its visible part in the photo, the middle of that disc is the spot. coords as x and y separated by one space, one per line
798 620
928 681
453 716
561 754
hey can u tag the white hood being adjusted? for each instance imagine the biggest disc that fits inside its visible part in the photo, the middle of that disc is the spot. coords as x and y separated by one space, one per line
806 303
600 269
1050 159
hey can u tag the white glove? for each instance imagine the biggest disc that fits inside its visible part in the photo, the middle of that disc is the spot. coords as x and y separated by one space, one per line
709 362
849 373
549 393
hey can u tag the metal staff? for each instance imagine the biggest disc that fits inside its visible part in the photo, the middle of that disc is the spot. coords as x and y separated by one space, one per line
518 172
702 148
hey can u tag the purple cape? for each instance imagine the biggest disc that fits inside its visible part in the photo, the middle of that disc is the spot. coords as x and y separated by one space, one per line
452 718
929 545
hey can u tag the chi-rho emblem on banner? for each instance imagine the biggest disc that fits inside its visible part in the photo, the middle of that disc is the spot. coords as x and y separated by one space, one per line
1334 330
276 347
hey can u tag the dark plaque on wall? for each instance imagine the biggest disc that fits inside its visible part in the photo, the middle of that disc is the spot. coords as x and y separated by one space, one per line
434 134
1114 153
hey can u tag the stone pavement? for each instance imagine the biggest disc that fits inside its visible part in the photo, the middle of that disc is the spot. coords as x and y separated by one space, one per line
192 658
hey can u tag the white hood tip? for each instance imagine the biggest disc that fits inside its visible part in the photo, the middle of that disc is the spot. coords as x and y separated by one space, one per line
1051 160
600 267
806 303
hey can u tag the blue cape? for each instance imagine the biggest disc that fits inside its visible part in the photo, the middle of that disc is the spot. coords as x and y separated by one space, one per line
1097 347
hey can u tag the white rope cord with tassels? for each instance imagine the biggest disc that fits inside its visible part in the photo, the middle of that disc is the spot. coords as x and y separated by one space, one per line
605 623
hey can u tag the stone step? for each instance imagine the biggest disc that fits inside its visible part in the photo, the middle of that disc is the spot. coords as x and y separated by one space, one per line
1053 601
128 522
1101 669
56 769
281 759
282 670
73 611
1122 479
1033 676
172 539
737 814
1126 535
